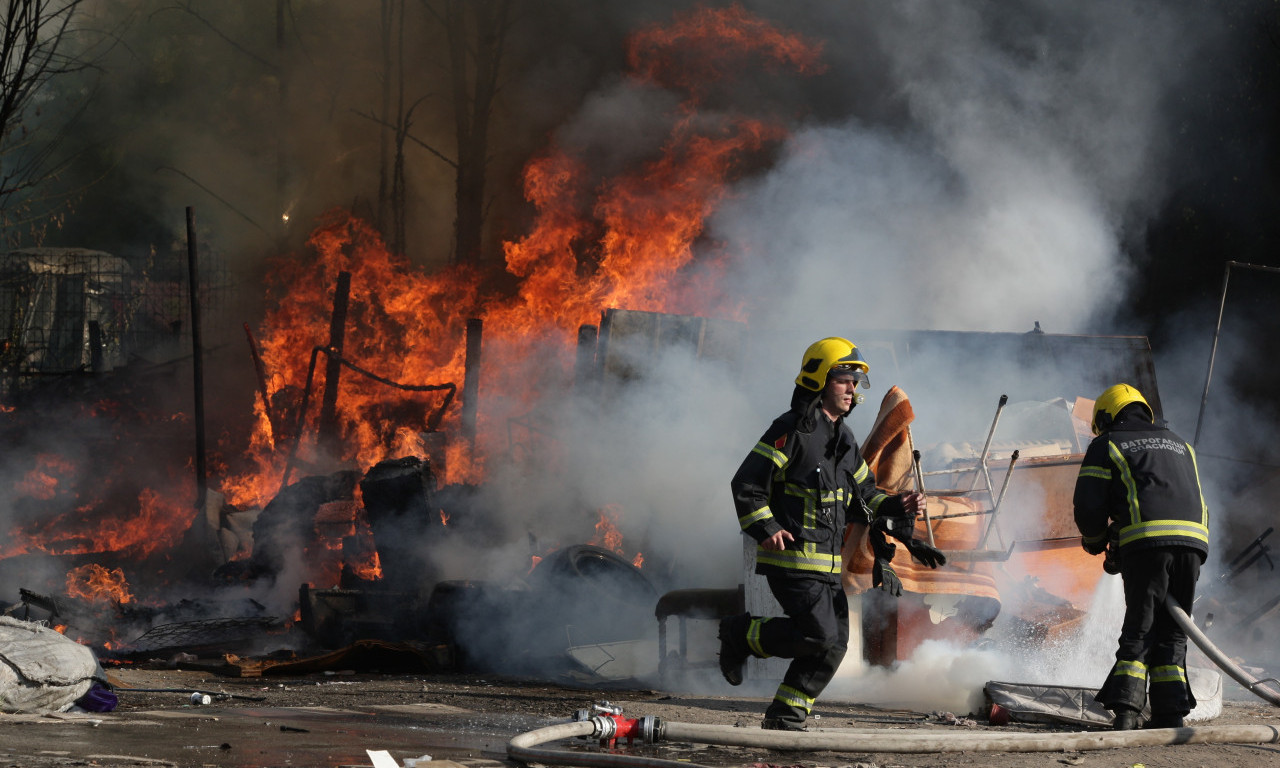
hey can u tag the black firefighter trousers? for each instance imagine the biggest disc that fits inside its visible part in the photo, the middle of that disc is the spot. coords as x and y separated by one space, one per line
814 634
1153 648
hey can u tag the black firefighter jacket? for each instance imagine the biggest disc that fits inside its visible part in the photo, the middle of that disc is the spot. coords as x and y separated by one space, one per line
1143 477
802 476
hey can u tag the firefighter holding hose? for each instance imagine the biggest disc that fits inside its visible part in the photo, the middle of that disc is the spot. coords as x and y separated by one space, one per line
1138 494
794 494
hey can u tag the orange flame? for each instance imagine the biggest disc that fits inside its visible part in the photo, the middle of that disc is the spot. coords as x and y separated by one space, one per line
342 539
95 583
369 570
595 244
155 525
42 481
710 45
607 533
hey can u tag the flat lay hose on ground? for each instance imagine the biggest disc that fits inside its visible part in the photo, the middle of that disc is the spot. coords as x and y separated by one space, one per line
917 740
523 748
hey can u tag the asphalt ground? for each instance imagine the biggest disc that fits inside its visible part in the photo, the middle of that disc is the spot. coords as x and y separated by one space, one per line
335 719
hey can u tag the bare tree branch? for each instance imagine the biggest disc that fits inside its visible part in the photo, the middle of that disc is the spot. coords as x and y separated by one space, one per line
414 139
39 44
215 196
189 9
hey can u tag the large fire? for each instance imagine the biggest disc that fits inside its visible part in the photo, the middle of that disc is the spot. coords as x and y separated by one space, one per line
635 231
154 525
622 241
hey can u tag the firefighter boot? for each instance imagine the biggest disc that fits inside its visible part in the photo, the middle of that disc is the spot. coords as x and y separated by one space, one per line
1126 719
1165 721
779 724
733 647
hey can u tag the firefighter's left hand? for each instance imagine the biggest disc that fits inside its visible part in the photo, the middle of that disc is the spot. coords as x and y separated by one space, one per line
913 504
778 541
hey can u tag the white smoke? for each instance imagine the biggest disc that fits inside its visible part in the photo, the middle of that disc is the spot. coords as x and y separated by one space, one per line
994 193
1030 136
939 676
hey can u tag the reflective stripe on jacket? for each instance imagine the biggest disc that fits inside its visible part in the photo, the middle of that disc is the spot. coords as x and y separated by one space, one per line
803 476
1144 477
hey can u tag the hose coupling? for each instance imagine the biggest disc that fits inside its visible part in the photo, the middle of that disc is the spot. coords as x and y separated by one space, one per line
610 726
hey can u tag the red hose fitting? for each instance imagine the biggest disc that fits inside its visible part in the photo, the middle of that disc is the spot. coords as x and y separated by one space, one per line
623 728
610 725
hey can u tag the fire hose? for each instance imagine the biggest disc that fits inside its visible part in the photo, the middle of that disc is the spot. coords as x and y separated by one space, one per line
611 726
1250 683
524 748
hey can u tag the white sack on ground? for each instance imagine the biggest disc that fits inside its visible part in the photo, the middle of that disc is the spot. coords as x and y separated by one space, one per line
42 670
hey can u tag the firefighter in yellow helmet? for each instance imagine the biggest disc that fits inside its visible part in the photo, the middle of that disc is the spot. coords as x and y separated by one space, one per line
794 493
1139 493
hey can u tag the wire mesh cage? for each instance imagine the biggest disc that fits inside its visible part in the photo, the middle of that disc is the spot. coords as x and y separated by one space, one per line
76 311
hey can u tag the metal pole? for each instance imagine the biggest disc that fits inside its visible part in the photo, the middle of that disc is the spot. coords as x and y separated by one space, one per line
982 460
919 476
1217 331
197 365
1213 351
995 510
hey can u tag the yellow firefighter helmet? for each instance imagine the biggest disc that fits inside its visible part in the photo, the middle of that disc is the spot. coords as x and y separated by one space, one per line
832 352
1109 404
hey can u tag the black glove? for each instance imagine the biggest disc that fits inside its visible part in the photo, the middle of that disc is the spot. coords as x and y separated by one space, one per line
925 553
882 576
881 547
900 527
1096 547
